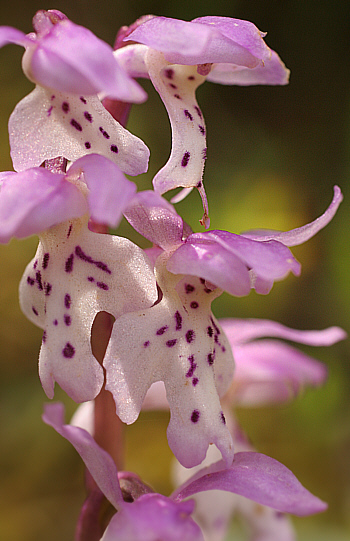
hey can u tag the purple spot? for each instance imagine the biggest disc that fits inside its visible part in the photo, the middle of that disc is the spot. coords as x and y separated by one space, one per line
67 301
178 320
202 280
199 184
185 159
87 145
191 78
88 116
99 264
195 416
190 336
30 281
216 339
38 280
169 73
195 381
199 112
82 99
202 129
189 288
194 305
204 153
173 86
55 322
67 319
35 264
222 417
102 285
68 351
146 344
171 343
49 111
211 358
210 331
91 278
69 230
188 114
44 337
104 133
217 330
76 125
48 288
65 107
162 330
177 97
35 311
52 97
223 349
192 367
114 149
46 260
69 263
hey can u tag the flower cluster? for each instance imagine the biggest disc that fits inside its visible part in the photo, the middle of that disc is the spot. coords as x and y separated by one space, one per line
166 348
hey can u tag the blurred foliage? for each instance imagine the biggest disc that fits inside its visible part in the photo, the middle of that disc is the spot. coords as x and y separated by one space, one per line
274 155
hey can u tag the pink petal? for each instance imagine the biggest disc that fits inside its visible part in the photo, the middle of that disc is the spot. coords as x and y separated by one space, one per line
12 35
96 459
90 70
261 479
109 189
34 200
301 234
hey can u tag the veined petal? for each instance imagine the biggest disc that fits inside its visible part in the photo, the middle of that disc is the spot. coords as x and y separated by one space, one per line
301 234
152 517
239 331
97 460
156 219
261 479
176 86
34 200
272 72
179 342
47 124
109 190
74 275
90 69
12 35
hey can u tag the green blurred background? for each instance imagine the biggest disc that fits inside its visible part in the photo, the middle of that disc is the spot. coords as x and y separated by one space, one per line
273 156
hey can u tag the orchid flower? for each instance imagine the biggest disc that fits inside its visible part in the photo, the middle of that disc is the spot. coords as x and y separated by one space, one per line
152 516
75 273
178 56
63 116
178 340
266 372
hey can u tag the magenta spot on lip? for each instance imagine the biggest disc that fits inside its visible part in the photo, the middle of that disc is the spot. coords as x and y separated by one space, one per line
211 358
222 417
192 367
49 111
68 351
114 149
195 381
87 145
67 301
76 125
190 336
102 285
35 311
195 416
104 133
88 116
202 129
48 288
65 107
177 96
69 263
91 278
35 264
88 259
173 86
162 330
69 230
52 97
189 288
185 159
194 305
178 320
169 73
204 153
199 184
199 112
210 331
67 319
146 344
30 281
188 114
55 322
82 99
38 280
191 78
44 337
46 260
